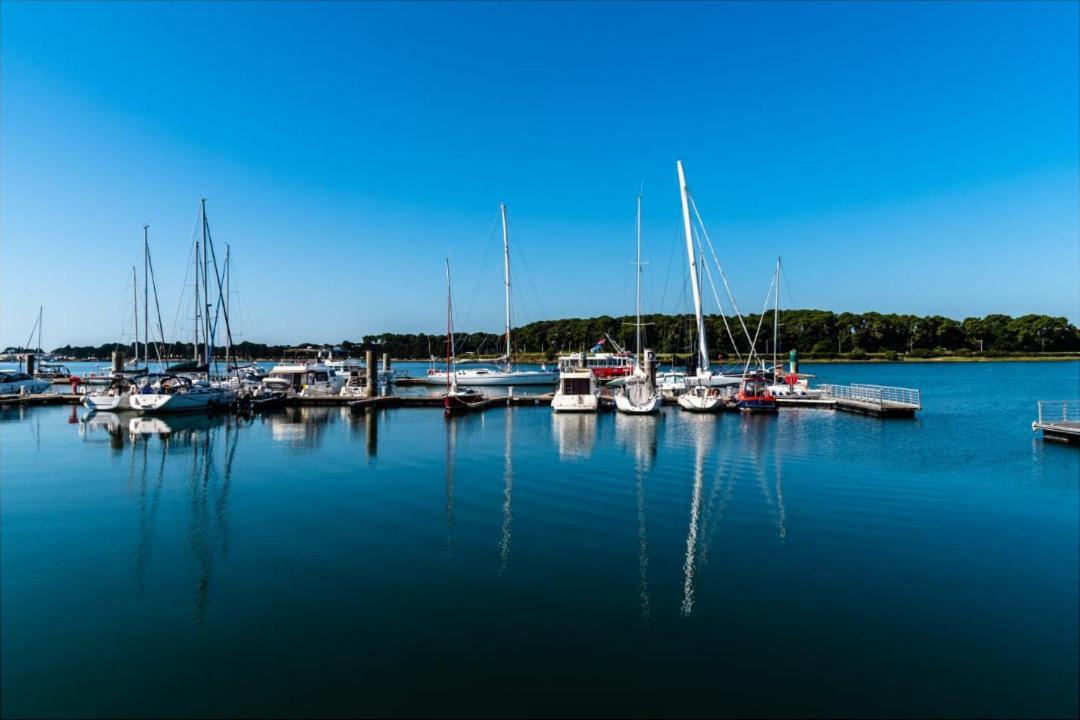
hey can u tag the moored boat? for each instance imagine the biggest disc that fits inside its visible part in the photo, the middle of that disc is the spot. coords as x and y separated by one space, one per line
578 391
754 395
638 394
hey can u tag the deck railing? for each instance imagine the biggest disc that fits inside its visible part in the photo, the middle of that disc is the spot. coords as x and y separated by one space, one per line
878 396
1059 411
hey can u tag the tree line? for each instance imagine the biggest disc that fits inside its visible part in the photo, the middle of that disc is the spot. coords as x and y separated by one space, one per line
815 333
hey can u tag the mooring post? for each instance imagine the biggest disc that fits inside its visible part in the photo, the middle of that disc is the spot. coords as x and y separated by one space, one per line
370 373
650 366
118 361
31 363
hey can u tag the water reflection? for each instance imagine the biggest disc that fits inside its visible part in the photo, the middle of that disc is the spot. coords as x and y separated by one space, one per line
448 471
700 428
508 489
575 434
639 433
208 489
93 425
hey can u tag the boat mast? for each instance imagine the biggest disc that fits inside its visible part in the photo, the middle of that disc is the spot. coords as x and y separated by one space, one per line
135 304
637 349
195 345
228 333
506 274
146 297
703 352
206 288
40 323
451 366
776 317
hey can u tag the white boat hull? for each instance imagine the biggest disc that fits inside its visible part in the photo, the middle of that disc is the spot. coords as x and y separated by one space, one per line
120 401
638 397
179 402
32 387
494 377
701 399
575 403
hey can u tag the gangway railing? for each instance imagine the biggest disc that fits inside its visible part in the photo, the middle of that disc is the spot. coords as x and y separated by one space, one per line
1059 412
877 396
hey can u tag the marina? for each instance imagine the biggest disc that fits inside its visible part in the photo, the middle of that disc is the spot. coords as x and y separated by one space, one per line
655 555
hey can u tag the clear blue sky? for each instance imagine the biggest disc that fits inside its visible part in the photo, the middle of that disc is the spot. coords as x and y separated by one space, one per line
918 157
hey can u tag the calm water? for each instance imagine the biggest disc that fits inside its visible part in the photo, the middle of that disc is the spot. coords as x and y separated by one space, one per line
516 562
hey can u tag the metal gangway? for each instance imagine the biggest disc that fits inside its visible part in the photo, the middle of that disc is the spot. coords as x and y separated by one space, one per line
880 400
1059 420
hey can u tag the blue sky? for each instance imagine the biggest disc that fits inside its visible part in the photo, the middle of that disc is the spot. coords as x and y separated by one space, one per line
918 157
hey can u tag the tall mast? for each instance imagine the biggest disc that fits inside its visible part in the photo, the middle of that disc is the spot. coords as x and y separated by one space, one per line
506 274
703 352
135 304
228 333
451 365
40 323
146 295
776 317
637 350
206 287
195 345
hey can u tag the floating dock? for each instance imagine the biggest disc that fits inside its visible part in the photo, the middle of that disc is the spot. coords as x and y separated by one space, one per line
876 400
1059 421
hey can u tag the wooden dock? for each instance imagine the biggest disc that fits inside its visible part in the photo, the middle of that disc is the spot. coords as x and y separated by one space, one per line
877 400
1059 421
41 399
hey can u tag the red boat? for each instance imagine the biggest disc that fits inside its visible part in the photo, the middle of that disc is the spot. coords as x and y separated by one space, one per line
754 395
462 401
604 366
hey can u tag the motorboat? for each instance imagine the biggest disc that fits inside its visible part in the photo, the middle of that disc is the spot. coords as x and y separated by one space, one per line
52 372
578 391
754 395
12 383
306 378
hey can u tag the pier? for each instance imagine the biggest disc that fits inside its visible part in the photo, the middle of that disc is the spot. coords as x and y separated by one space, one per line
876 400
1059 421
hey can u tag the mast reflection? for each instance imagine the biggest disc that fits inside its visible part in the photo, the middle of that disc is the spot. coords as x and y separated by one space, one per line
639 433
508 489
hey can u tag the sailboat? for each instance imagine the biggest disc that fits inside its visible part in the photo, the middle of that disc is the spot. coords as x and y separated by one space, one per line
638 395
119 385
701 395
506 375
456 400
179 393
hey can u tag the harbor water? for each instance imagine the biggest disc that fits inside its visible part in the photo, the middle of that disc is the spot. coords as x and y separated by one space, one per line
317 562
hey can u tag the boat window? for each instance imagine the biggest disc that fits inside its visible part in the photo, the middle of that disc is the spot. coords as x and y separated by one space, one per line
576 386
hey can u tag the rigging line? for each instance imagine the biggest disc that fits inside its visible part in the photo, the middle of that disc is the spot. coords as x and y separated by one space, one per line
670 262
719 267
157 306
719 305
483 267
761 319
520 250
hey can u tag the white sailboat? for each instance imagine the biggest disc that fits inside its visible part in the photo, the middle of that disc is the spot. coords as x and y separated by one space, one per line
178 393
506 375
701 395
638 395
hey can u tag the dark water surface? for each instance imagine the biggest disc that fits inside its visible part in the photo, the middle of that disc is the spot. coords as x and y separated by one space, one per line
315 563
